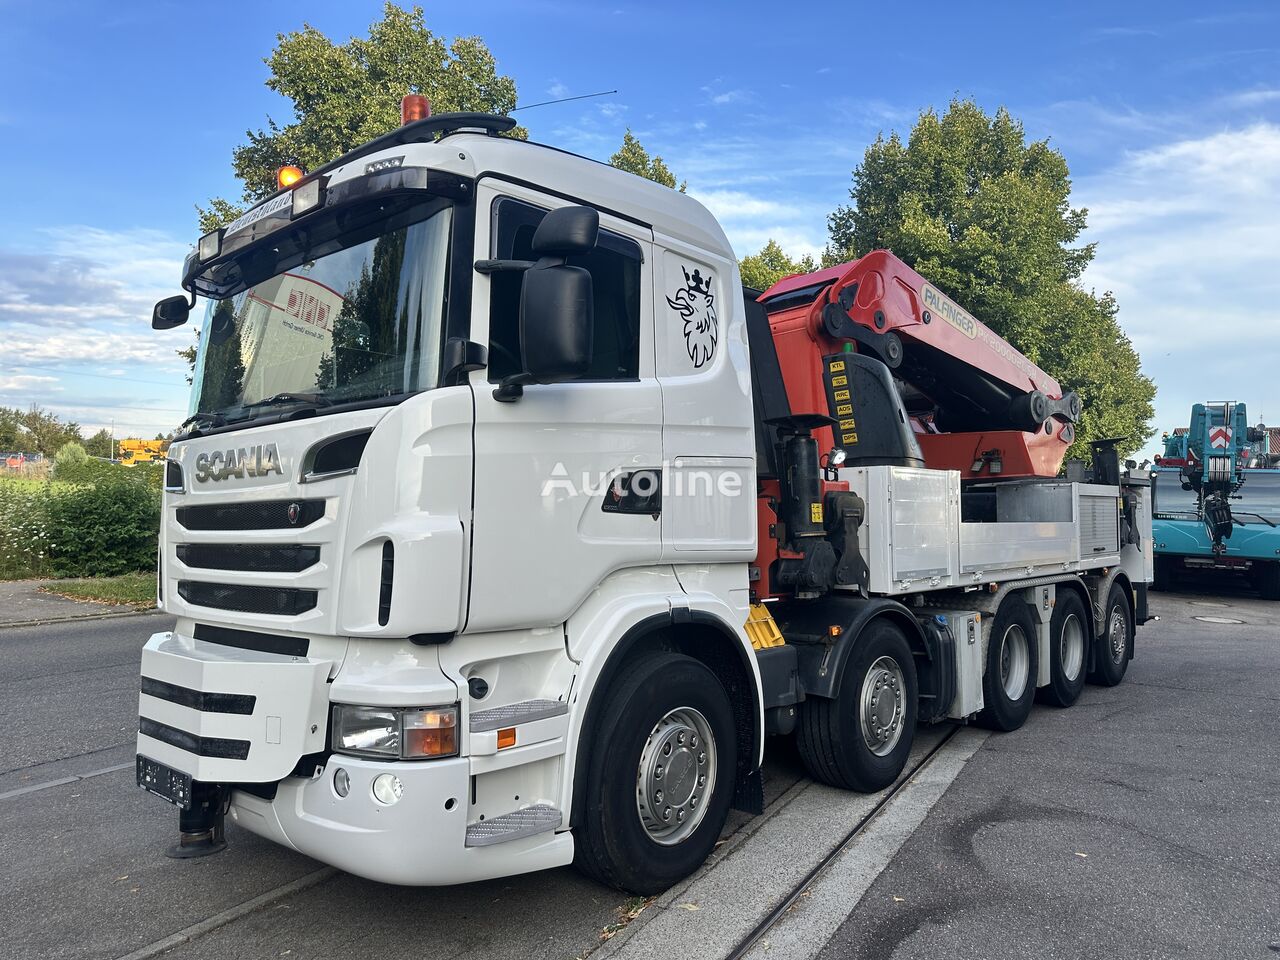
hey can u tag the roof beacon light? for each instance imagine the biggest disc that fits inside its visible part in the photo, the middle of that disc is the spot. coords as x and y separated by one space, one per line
414 106
289 175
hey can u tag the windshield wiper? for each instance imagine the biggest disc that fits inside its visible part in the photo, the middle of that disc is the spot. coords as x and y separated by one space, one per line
316 399
1250 513
202 420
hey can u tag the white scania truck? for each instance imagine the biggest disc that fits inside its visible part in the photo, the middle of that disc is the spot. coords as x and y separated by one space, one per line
506 527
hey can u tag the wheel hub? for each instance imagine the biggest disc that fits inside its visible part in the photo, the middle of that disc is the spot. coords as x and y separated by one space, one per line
1071 646
676 775
1015 661
882 717
1116 635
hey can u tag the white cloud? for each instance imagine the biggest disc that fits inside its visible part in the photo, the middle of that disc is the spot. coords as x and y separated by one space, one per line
1188 238
76 303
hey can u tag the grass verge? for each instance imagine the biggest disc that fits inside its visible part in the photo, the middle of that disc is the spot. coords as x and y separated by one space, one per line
134 589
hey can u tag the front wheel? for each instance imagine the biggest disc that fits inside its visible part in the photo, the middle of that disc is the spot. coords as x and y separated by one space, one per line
660 775
861 739
1111 650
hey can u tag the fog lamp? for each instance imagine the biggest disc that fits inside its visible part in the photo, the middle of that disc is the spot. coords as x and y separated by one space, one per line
341 782
387 788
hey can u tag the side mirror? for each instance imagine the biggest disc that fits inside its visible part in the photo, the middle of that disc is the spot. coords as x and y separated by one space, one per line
566 231
556 323
557 311
169 313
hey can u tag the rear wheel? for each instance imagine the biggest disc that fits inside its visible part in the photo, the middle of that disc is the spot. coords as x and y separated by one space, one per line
660 775
860 740
1111 649
1013 662
1068 650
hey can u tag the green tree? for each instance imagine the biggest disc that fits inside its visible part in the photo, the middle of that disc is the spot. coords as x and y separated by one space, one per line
99 445
189 354
634 158
762 270
345 94
69 457
12 432
46 433
986 216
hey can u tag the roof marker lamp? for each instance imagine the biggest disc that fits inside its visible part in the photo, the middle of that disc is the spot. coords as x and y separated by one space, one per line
308 196
210 245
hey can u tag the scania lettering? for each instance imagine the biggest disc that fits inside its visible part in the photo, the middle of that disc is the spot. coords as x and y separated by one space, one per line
508 528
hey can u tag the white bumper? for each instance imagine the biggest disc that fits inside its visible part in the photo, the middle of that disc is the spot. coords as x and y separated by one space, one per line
419 841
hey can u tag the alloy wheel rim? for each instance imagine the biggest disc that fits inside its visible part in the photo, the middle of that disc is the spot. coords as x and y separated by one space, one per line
1071 646
676 775
1015 662
881 716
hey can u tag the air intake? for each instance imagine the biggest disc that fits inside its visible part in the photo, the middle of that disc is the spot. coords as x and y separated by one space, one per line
384 591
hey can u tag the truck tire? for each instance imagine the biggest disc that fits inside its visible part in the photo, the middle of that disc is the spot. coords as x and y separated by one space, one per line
660 775
1012 665
860 740
1268 580
1112 645
1068 651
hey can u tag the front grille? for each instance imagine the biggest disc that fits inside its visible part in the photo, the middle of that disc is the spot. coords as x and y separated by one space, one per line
280 601
284 558
263 515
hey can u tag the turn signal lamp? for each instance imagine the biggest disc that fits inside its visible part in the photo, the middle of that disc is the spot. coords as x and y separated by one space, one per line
506 737
431 733
414 106
288 175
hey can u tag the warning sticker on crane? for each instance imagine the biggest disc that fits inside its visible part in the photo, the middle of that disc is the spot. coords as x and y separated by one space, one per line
1220 437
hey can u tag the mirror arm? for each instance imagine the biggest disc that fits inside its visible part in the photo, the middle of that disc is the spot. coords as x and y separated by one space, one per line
511 388
502 266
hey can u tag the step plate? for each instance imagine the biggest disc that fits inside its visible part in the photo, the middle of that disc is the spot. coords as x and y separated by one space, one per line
514 714
535 819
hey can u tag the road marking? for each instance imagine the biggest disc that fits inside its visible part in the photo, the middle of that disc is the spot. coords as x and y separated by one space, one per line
212 923
63 781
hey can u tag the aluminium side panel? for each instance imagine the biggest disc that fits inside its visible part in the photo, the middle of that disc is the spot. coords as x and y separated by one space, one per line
910 534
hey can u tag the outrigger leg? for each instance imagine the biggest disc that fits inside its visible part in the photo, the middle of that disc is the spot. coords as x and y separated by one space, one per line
200 826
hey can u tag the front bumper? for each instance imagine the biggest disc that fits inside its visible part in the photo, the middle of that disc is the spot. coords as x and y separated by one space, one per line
419 841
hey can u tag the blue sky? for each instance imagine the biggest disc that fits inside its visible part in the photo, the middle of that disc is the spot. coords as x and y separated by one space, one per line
116 119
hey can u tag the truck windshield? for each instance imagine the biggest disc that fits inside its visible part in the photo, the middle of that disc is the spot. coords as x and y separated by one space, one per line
1260 493
1172 502
359 323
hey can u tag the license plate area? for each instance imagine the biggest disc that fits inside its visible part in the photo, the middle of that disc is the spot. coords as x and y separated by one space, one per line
165 782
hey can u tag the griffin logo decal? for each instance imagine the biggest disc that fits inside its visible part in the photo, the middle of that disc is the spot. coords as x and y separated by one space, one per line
696 304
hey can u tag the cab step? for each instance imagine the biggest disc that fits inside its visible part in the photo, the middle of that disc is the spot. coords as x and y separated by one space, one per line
538 818
514 714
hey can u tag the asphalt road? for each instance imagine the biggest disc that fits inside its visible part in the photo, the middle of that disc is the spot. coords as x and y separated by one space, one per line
82 872
1142 822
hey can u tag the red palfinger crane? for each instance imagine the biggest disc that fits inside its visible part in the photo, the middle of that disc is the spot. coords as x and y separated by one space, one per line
975 404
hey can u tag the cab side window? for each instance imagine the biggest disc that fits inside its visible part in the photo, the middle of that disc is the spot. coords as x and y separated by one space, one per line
615 276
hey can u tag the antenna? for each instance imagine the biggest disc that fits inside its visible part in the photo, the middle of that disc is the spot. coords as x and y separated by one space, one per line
547 103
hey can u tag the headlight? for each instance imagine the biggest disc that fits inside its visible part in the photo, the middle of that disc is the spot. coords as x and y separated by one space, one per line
407 733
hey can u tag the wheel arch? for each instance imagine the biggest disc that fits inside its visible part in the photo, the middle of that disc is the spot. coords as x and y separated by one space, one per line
705 637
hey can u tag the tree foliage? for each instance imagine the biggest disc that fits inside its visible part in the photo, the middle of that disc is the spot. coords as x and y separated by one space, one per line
762 270
634 158
986 216
345 94
35 430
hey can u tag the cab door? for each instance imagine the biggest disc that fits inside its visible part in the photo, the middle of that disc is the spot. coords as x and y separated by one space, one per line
547 527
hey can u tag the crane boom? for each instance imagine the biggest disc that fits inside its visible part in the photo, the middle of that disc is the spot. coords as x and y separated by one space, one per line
976 404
